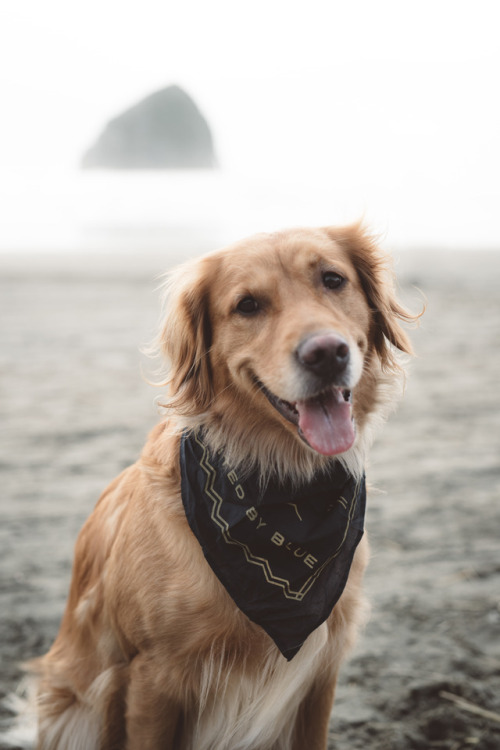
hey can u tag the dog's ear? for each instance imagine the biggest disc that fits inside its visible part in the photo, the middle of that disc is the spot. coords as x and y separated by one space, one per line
377 281
185 339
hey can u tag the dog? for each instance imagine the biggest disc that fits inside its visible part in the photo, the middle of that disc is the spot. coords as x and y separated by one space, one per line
217 585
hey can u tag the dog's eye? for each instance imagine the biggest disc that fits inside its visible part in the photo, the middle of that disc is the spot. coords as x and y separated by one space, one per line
333 280
247 306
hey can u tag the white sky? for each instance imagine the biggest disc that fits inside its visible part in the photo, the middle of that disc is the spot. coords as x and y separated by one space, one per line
386 96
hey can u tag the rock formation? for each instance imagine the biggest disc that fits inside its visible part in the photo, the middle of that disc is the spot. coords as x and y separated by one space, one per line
166 130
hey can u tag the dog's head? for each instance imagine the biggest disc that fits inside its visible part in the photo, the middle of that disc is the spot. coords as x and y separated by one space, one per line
284 334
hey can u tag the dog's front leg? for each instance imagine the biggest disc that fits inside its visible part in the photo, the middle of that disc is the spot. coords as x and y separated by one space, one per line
151 714
311 728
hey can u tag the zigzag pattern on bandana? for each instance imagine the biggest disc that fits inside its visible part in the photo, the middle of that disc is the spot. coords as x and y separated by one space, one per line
282 552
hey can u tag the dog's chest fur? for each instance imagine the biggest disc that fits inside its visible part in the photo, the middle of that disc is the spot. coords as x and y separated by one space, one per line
238 711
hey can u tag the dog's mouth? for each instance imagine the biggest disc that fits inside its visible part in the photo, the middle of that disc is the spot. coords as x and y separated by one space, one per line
324 421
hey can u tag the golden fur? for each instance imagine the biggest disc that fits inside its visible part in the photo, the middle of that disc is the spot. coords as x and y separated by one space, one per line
152 652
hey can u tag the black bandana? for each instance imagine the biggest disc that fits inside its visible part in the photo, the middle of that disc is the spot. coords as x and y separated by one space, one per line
282 553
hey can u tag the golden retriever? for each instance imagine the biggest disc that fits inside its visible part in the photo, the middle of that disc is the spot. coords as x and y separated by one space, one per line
281 351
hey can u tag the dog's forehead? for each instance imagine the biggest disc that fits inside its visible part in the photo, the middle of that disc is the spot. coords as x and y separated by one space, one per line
294 253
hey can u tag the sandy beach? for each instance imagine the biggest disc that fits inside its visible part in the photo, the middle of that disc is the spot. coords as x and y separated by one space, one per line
75 410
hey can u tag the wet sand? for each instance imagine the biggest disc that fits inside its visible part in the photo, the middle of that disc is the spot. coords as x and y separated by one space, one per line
75 410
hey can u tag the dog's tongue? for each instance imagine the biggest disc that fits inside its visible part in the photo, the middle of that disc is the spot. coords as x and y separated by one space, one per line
325 422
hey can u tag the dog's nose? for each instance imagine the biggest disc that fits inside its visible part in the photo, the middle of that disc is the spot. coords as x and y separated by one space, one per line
324 354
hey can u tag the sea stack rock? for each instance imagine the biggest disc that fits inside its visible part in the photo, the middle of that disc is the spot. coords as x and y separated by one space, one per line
166 130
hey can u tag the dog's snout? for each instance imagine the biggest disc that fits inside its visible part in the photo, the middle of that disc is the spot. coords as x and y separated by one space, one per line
324 354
